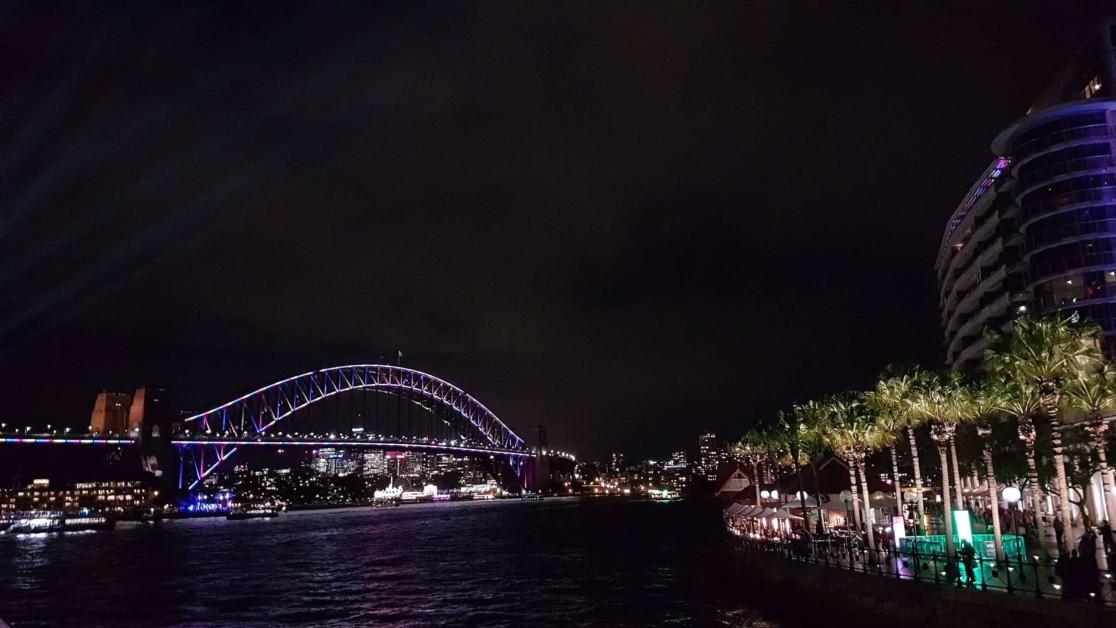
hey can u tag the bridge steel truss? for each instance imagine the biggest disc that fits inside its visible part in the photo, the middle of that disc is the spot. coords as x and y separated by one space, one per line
251 416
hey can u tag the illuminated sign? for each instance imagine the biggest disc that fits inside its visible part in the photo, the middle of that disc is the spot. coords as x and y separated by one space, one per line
962 526
898 529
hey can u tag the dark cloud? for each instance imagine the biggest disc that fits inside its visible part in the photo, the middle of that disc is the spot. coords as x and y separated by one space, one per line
625 223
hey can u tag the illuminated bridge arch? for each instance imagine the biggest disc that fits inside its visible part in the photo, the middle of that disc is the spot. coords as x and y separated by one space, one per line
251 417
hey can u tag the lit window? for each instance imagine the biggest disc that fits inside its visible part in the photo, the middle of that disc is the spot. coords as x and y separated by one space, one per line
1092 88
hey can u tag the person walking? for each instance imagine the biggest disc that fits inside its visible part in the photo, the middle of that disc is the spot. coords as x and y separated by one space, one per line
1106 538
1059 531
968 558
1087 546
1063 570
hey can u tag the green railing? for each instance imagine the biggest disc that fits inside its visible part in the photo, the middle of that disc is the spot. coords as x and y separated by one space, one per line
985 545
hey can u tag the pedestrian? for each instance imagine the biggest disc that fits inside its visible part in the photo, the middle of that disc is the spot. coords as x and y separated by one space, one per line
1087 546
1088 585
1106 537
1059 531
968 558
1062 570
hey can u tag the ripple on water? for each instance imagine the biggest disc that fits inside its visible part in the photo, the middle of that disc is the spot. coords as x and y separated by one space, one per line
555 562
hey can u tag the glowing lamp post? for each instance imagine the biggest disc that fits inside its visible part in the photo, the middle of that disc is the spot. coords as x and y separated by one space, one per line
1011 495
909 498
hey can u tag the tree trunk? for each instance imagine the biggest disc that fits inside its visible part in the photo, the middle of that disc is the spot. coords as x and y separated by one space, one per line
917 474
1063 484
958 497
867 506
994 501
1106 477
1036 499
855 498
802 496
817 493
898 489
947 513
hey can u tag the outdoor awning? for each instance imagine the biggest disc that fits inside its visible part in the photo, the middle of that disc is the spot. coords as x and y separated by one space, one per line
782 514
748 511
810 503
767 512
736 510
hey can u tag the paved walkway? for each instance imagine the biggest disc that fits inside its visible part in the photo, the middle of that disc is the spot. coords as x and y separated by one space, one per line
1031 576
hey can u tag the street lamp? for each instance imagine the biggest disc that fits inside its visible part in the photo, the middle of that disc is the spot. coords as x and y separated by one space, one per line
909 498
1011 495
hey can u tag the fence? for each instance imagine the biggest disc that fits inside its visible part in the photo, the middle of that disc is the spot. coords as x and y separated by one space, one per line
1016 575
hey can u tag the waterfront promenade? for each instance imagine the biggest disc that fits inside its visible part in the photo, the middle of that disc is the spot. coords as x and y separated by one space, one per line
1028 576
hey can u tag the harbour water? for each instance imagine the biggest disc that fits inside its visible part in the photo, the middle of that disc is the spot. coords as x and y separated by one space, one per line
517 563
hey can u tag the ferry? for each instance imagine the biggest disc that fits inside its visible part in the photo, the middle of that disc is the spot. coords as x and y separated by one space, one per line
252 511
664 495
388 497
36 521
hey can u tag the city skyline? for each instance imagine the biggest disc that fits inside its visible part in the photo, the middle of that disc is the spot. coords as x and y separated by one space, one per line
272 219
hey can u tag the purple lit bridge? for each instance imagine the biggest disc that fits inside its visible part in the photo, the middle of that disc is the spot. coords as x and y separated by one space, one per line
363 405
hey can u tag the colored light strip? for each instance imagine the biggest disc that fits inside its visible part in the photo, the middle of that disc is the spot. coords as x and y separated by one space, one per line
994 172
347 443
223 457
366 367
67 441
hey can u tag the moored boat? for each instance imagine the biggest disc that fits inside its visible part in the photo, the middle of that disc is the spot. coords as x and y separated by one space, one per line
37 521
252 511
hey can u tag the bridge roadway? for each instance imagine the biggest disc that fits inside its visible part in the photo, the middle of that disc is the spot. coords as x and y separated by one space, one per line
379 442
277 440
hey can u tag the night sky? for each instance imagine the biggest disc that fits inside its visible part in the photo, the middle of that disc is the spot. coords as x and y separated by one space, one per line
628 223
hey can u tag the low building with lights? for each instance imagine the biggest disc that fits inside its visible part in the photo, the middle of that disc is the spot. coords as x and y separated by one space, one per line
119 498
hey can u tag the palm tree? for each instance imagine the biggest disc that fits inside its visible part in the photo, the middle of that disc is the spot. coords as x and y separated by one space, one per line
1094 394
752 449
897 388
790 431
1045 351
983 403
890 422
811 418
1022 402
938 399
852 434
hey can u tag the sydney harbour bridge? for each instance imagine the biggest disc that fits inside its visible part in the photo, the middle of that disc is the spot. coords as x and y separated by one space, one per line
356 406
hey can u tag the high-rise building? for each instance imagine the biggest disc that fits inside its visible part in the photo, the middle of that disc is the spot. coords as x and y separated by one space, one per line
709 455
678 458
1036 233
110 413
616 465
332 461
374 463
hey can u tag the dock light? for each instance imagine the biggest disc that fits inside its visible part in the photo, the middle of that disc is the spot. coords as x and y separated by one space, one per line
765 494
774 494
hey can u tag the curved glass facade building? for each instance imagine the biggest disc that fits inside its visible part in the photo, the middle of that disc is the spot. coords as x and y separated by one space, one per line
1037 232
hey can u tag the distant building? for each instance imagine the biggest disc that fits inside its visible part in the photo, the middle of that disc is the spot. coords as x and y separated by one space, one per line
374 464
616 465
678 458
102 497
110 413
332 461
1034 233
709 456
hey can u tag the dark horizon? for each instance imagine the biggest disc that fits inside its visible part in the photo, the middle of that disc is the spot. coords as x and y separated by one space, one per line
628 226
